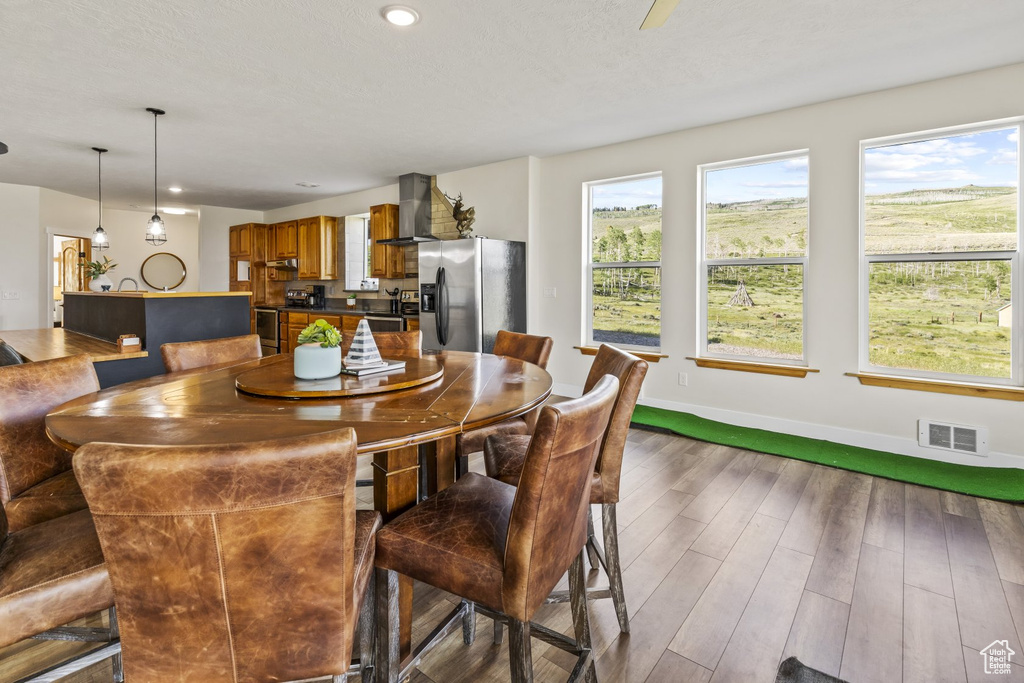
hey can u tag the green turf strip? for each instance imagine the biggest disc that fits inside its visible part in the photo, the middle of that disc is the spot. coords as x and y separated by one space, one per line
998 483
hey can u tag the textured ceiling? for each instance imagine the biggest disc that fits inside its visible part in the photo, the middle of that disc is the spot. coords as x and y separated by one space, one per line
262 94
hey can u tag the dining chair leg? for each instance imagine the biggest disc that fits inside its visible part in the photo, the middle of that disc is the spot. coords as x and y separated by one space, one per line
591 540
580 617
367 632
115 634
519 653
499 632
469 624
614 568
387 665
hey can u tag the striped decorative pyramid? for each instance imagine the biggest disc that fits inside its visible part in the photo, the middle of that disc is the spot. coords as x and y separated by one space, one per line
363 351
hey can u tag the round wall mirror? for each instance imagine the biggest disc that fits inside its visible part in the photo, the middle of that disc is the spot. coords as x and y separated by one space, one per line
163 271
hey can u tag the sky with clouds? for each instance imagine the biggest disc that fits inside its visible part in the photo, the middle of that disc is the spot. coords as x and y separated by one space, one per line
771 180
987 159
630 194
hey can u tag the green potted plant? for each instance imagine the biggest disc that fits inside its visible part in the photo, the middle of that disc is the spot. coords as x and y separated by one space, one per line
318 354
97 273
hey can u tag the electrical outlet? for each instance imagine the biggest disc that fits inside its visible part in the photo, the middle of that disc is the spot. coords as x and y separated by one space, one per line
682 379
12 296
550 292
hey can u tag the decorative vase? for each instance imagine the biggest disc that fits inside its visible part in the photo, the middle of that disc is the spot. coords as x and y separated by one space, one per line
97 283
313 361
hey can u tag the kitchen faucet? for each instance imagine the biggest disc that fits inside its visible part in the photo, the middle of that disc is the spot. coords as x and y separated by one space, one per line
132 280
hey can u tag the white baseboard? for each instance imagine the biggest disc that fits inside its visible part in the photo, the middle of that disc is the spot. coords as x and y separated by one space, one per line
850 437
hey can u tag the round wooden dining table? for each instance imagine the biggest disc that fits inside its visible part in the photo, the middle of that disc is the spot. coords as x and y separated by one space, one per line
203 406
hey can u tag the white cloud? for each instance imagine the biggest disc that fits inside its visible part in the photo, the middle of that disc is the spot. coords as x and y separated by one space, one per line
778 184
1014 136
1004 157
798 164
950 175
896 161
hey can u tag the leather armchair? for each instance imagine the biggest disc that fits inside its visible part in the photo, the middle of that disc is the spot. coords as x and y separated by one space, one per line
36 481
198 354
525 347
240 562
504 458
502 548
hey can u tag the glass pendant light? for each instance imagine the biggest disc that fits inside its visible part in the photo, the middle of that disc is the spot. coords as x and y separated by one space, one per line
156 233
99 235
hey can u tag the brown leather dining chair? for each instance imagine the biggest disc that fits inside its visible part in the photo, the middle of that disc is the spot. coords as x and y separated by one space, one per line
237 562
197 354
405 343
51 574
502 548
526 347
36 481
504 457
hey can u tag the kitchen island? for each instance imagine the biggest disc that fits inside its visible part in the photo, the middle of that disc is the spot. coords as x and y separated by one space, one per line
155 317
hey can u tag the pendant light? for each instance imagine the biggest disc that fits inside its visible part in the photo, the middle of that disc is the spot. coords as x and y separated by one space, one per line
99 236
156 233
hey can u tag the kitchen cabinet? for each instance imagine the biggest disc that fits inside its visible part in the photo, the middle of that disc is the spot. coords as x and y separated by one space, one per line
318 248
386 260
412 324
292 325
349 323
247 251
240 239
285 240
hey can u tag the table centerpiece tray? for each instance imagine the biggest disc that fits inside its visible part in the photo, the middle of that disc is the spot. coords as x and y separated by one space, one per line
279 381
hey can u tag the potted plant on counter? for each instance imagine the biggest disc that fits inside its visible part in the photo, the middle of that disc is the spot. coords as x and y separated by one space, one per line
318 355
96 271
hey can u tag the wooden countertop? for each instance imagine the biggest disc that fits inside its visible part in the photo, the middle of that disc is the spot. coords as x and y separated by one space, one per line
157 295
47 344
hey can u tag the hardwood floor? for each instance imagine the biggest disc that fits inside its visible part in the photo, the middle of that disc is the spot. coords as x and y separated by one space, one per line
735 560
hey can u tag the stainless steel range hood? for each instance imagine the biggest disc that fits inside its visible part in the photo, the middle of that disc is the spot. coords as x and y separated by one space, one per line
285 264
413 210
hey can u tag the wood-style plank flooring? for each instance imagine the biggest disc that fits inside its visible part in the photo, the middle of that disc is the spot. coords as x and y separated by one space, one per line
735 560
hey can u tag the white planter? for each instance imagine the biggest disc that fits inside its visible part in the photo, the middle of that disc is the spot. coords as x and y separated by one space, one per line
96 284
312 361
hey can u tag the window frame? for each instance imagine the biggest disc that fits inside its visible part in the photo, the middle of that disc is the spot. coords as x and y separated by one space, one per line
705 263
589 265
1013 257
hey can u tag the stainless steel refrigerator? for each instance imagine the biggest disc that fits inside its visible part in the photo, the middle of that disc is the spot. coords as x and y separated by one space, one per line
470 289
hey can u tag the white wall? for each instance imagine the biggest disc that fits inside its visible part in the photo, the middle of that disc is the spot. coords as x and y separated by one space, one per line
21 258
214 222
64 214
827 405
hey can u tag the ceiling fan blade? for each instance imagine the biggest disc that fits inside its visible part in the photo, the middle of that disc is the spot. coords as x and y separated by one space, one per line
658 13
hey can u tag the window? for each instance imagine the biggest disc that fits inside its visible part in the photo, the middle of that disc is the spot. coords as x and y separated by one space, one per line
941 244
357 251
624 268
754 226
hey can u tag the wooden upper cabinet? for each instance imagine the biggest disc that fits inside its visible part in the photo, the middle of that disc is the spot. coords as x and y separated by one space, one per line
386 260
240 240
286 240
318 248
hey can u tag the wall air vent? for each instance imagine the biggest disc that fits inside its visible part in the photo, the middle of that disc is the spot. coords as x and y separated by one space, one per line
951 437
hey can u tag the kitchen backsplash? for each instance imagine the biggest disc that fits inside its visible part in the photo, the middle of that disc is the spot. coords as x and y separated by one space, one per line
336 288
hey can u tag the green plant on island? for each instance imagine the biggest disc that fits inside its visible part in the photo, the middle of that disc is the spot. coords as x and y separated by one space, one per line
94 269
321 332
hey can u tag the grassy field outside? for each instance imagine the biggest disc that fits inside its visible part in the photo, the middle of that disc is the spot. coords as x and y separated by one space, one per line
931 316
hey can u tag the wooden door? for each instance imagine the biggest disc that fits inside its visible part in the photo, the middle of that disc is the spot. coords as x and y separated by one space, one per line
72 276
378 231
328 248
242 240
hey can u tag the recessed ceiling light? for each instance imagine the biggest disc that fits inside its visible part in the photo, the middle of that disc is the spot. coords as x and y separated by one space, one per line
305 183
3 148
174 189
399 15
177 212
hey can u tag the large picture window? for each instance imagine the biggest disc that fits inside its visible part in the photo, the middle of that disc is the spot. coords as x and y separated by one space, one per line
624 269
941 242
754 223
